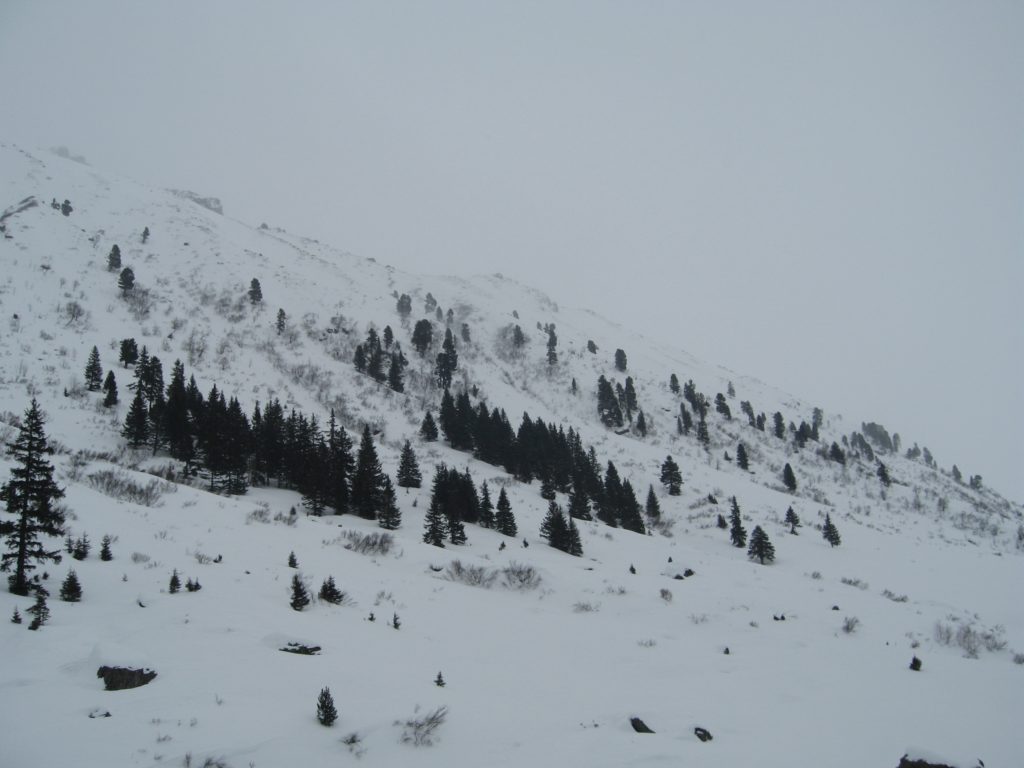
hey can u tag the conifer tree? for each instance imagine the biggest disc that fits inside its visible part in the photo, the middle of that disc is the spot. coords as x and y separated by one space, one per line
326 713
129 352
282 322
255 292
620 360
39 610
788 478
554 528
780 425
404 306
630 517
428 428
641 425
16 617
673 384
114 259
504 520
761 548
408 468
671 478
300 597
136 423
126 281
737 533
422 336
574 546
652 508
390 517
174 585
93 371
330 593
293 561
792 520
396 380
71 589
145 235
836 454
368 480
721 523
741 457
883 475
608 404
552 344
702 433
109 390
830 533
447 361
29 495
435 525
105 554
486 507
579 504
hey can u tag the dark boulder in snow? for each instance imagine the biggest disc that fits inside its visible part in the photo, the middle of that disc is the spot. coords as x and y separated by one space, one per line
639 725
122 678
702 733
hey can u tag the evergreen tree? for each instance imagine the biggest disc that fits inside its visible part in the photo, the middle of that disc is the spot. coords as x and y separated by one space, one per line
359 358
957 474
789 478
109 390
702 433
422 336
792 521
293 561
255 292
780 425
16 617
741 457
368 480
574 544
105 554
486 508
547 487
652 508
330 593
435 525
174 585
608 404
29 495
737 533
579 504
761 548
641 425
39 610
630 517
71 589
447 361
723 407
883 475
504 520
830 533
428 428
300 597
396 380
721 523
145 235
114 259
686 419
552 344
620 360
404 306
673 384
836 454
326 713
282 322
518 338
126 281
129 353
390 517
340 467
554 528
408 468
671 478
93 371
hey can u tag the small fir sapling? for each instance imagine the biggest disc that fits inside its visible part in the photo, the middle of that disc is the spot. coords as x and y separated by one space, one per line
293 562
16 617
330 593
193 586
300 597
915 664
82 547
326 713
71 589
39 610
792 521
105 554
175 583
439 681
395 622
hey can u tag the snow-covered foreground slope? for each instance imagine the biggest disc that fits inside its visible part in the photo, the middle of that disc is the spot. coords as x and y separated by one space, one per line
544 676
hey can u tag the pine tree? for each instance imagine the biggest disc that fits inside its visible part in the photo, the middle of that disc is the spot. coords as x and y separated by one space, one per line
792 521
552 344
174 585
671 478
673 384
105 554
608 408
435 525
702 433
788 478
71 589
145 235
39 610
293 561
554 528
630 517
16 617
761 548
109 390
330 593
652 508
428 428
439 681
326 713
368 480
404 306
114 259
390 517
504 520
780 425
422 336
486 508
620 360
830 533
129 353
447 361
93 371
883 475
396 379
641 425
300 597
574 546
30 495
126 280
737 533
579 504
408 468
136 423
282 322
255 292
721 523
741 457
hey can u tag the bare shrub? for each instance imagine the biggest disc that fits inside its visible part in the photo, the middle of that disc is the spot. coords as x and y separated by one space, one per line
1018 658
520 577
666 595
648 643
369 543
969 639
471 575
120 485
139 557
854 583
850 624
816 575
422 731
699 618
586 607
894 597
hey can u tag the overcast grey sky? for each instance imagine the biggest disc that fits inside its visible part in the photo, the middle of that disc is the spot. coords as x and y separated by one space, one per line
828 196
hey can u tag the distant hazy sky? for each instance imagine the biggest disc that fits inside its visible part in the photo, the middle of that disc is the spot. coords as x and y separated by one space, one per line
828 196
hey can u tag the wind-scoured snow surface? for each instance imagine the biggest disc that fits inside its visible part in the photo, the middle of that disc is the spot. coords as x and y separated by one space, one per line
545 676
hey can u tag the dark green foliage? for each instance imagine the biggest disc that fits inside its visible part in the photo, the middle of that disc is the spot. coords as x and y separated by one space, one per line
174 585
395 622
447 361
281 322
518 338
547 488
722 407
641 425
326 713
780 425
81 548
29 495
836 454
404 305
93 371
464 332
830 533
435 525
560 532
422 336
40 610
504 519
579 504
673 384
145 235
114 259
126 280
368 480
428 428
792 520
652 507
608 408
255 292
629 511
396 375
300 597
957 474
193 585
575 545
129 354
702 433
330 593
71 589
408 475
883 475
741 457
293 561
439 680
620 360
486 508
737 533
552 344
721 522
16 617
453 495
65 208
591 347
672 478
789 478
389 517
109 390
761 548
105 554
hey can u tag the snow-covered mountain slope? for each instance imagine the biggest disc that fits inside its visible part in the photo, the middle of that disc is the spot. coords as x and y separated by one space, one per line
549 675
